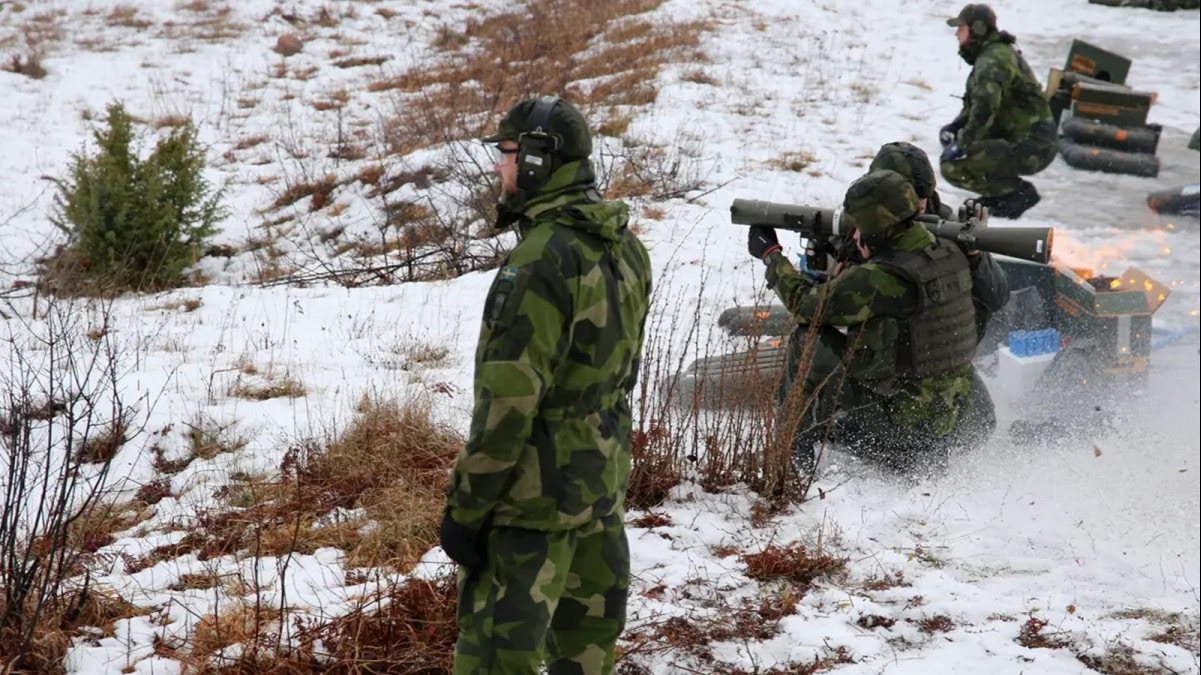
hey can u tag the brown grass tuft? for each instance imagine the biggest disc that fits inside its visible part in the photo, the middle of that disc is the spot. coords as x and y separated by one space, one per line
651 520
284 387
887 581
298 191
30 65
236 624
792 563
1032 636
103 442
939 623
208 438
126 16
793 161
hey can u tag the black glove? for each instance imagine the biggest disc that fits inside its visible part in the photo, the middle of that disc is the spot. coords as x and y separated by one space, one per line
947 134
463 544
972 208
761 241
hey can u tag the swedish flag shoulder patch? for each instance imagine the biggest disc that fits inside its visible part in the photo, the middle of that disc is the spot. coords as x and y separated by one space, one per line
508 273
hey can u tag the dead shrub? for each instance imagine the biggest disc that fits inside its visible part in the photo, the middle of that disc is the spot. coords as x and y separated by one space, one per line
651 520
405 628
1032 635
794 564
939 623
657 171
29 65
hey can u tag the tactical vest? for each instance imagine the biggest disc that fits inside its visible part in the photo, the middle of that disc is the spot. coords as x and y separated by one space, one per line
941 335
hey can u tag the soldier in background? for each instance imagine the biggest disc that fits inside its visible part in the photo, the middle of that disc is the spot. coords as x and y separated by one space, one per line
898 385
535 509
990 286
1005 129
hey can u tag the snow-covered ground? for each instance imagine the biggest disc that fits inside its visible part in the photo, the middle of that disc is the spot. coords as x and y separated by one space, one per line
1098 533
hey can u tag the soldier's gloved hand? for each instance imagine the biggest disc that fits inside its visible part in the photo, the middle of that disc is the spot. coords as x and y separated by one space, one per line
972 209
951 153
762 242
946 135
463 544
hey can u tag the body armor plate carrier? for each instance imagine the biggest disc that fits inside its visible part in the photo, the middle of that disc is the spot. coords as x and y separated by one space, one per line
941 336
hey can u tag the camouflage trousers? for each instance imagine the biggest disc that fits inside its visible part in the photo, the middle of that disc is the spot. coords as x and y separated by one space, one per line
848 412
994 166
557 598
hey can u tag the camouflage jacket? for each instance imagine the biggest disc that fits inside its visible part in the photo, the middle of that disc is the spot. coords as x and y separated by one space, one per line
1003 98
558 355
869 302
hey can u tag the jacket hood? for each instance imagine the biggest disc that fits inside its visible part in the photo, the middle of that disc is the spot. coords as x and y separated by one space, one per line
570 198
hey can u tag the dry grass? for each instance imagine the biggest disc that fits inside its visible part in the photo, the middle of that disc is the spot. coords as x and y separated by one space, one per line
81 606
97 527
793 564
237 624
280 387
208 438
126 16
295 192
796 161
360 61
1119 659
407 628
29 65
598 55
171 121
1033 635
651 520
388 469
699 76
103 442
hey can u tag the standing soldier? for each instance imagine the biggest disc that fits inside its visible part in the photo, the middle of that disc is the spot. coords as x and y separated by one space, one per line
534 513
901 375
1005 129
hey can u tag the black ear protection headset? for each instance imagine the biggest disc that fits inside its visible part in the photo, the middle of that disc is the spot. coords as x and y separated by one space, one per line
979 28
536 147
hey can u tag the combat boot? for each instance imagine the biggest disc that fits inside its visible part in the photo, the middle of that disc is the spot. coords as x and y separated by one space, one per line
1014 204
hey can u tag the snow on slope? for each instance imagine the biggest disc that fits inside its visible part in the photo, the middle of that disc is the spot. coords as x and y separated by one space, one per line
1062 532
